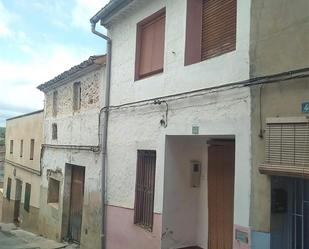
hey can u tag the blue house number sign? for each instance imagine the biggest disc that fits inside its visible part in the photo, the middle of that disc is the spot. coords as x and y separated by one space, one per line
305 107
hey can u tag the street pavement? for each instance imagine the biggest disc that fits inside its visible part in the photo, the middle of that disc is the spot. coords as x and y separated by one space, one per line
14 238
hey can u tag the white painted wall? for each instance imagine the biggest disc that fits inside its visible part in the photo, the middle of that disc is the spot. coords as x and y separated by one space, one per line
218 113
229 67
185 208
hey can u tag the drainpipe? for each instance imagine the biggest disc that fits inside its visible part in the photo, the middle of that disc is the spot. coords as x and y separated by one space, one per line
105 110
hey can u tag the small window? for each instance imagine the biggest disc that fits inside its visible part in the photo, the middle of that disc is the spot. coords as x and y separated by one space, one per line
8 188
11 146
54 131
211 29
31 149
144 188
76 96
27 197
55 103
21 148
150 45
53 191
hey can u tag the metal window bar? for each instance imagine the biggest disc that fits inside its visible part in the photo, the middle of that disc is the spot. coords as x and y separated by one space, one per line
144 189
296 240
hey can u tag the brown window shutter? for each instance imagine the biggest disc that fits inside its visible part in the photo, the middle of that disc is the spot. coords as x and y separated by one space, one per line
150 45
194 31
144 189
219 27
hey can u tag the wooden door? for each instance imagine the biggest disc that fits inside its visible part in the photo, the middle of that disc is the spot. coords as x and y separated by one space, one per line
18 190
76 205
221 160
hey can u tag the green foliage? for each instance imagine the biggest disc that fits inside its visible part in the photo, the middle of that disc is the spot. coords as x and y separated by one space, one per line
2 135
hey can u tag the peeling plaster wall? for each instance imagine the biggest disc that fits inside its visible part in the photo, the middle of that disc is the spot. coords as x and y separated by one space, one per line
74 128
51 215
218 113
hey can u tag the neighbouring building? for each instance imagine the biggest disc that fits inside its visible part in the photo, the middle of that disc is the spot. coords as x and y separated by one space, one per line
2 158
22 170
179 133
71 163
279 216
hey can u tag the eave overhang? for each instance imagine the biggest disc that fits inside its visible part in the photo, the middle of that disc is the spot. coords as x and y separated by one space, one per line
87 66
109 10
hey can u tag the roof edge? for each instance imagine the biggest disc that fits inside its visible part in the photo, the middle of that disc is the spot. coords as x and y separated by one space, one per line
25 115
110 9
92 63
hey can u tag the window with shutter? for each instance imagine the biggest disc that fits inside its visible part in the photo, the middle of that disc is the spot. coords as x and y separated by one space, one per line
8 188
55 103
11 146
287 147
150 45
144 189
76 96
31 149
218 27
27 197
211 29
21 148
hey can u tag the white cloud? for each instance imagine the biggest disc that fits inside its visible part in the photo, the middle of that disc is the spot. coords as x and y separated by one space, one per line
6 19
84 10
18 80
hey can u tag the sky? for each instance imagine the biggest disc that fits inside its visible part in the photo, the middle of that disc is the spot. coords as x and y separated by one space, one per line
40 39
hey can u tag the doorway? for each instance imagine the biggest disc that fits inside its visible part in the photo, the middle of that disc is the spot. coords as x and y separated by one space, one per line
76 202
221 170
18 190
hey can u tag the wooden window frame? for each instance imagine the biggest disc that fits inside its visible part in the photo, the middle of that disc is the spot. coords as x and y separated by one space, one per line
148 20
145 189
53 198
32 144
27 197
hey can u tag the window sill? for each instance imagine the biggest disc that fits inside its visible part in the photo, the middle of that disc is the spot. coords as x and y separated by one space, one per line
148 75
54 205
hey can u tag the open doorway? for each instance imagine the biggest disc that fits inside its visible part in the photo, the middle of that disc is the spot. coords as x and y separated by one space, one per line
198 203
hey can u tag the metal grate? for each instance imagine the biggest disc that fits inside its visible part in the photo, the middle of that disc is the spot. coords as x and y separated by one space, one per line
144 189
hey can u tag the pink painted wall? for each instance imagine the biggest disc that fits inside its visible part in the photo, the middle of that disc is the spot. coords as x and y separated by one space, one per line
122 233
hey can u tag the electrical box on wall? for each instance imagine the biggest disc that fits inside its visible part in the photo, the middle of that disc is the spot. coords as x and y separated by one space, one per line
196 168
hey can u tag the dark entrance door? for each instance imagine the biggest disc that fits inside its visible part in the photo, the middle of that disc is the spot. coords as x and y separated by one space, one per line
221 160
76 204
290 213
18 190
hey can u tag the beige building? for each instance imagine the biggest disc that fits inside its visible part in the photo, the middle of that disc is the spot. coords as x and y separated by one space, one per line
22 174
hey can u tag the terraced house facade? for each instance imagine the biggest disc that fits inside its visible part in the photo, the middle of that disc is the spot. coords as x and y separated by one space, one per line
22 170
208 131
